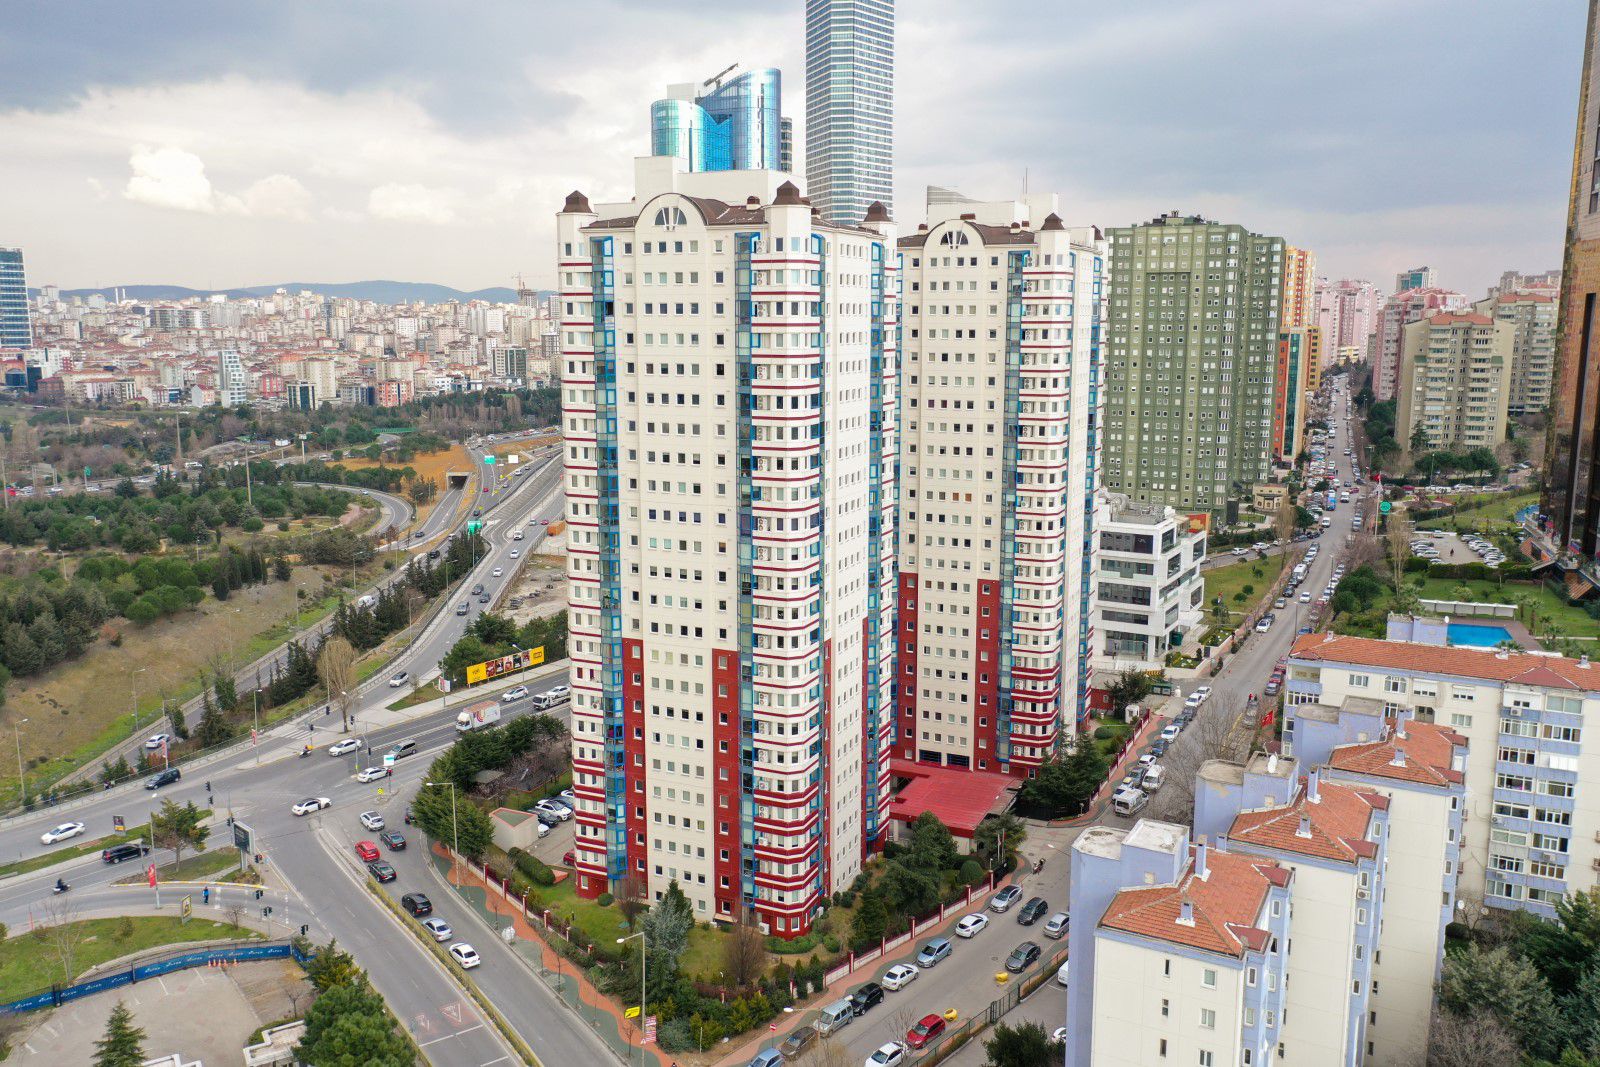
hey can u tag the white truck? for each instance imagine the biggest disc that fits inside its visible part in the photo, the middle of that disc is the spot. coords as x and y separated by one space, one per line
483 713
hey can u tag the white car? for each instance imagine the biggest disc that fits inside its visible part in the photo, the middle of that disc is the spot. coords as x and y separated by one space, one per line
155 741
1203 692
400 679
61 833
438 928
371 774
1305 597
1061 974
372 820
311 804
899 976
971 924
345 747
557 810
890 1054
516 692
465 955
516 553
498 571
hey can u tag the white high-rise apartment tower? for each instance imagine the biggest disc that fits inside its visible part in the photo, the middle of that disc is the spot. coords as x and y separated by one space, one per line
849 106
729 368
1004 306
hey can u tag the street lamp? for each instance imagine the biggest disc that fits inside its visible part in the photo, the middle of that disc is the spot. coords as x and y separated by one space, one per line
134 681
644 960
22 783
455 829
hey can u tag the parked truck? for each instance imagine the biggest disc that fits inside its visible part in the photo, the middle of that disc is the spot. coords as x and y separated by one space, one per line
483 713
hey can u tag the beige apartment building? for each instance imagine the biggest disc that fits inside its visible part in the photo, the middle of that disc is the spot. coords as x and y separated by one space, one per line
1455 381
1532 317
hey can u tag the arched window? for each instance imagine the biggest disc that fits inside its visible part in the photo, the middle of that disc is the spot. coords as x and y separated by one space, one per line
953 239
670 217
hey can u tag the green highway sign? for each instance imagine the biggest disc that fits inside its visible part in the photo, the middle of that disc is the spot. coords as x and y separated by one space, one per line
488 460
474 527
1384 506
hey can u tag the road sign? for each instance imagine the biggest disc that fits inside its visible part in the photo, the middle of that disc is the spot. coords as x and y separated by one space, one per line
243 837
87 472
474 527
388 762
630 1013
118 825
185 908
488 460
1385 507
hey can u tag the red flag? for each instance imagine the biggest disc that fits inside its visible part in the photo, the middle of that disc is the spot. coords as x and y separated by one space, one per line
1269 717
150 873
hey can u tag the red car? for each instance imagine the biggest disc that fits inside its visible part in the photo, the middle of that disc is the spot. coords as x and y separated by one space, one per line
367 851
925 1031
570 858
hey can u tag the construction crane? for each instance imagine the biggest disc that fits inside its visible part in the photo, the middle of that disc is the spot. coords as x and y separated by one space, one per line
715 81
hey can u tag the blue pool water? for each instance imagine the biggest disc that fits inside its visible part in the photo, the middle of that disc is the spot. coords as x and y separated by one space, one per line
1477 634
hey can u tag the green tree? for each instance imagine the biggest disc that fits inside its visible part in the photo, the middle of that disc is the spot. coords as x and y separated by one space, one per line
1023 1045
931 845
349 1026
908 891
1500 982
1565 950
667 925
1063 785
180 728
179 827
1582 1010
470 830
123 1044
871 920
1004 832
1130 687
331 966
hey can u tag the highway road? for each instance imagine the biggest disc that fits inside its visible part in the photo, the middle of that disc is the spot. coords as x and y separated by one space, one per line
313 855
965 980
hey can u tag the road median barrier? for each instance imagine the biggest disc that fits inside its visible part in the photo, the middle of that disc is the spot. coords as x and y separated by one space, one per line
439 952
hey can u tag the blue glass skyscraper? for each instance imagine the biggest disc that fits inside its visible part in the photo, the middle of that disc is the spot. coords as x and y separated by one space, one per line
849 107
738 125
16 328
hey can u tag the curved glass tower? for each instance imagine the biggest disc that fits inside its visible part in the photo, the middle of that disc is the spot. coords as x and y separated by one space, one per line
736 126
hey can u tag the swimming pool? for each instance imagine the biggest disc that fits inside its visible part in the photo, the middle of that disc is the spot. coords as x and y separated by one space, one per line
1477 634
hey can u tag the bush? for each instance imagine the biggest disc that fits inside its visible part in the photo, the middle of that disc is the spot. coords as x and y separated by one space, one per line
605 900
794 947
1103 733
971 872
675 1036
533 867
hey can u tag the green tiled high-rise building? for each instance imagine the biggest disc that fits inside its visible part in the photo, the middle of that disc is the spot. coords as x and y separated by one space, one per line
1194 318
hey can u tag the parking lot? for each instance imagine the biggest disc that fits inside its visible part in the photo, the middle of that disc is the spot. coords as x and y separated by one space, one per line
1456 548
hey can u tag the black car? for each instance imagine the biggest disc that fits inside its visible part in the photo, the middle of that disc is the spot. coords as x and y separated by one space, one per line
394 842
1033 911
1158 747
477 589
417 904
865 998
548 818
433 553
166 777
382 872
117 853
1022 957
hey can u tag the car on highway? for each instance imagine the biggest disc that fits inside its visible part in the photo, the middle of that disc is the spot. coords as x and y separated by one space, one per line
372 774
462 608
550 807
155 741
400 679
117 853
888 1054
465 955
934 951
393 840
417 904
544 522
61 833
1005 898
381 872
1033 911
1022 957
970 925
166 777
402 749
899 976
866 998
498 571
483 599
310 804
372 820
345 747
928 1028
516 692
439 929
1056 926
516 553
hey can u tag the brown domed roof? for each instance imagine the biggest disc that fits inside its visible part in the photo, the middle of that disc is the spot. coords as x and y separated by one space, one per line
876 212
788 195
577 203
1052 222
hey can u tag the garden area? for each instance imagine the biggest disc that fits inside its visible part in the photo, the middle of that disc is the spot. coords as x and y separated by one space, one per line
1482 512
1242 585
66 946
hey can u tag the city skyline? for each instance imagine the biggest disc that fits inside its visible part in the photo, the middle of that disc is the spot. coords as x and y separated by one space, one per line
238 172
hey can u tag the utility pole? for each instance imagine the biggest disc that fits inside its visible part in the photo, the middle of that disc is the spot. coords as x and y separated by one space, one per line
177 431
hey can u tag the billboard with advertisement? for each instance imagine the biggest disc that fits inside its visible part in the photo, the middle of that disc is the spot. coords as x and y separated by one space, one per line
491 669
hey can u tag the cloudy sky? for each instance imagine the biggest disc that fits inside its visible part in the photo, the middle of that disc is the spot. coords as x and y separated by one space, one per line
243 143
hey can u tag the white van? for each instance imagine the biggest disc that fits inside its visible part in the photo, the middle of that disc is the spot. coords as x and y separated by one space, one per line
1154 776
1129 801
835 1017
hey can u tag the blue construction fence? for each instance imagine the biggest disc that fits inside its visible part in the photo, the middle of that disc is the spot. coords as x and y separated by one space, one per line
59 995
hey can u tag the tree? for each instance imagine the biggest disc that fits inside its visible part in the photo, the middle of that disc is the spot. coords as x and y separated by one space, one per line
1064 785
931 845
1419 439
178 827
349 1026
1023 1045
336 663
123 1045
1130 687
871 920
1212 737
744 953
63 933
1564 950
667 924
1004 832
180 728
1498 981
331 966
466 826
212 729
630 899
908 891
1470 1041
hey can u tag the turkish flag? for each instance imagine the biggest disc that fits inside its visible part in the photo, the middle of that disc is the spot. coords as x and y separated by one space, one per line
150 873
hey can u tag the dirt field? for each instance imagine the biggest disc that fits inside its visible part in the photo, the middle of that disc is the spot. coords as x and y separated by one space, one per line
427 465
542 585
72 708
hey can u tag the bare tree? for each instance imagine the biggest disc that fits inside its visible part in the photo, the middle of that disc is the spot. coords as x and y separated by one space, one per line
337 664
744 953
64 933
631 900
1364 550
1470 1041
1398 541
1209 737
830 1052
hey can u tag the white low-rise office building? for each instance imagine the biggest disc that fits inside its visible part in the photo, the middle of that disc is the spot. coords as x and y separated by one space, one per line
1150 593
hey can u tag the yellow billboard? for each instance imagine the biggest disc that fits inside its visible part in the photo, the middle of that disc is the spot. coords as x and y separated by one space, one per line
502 665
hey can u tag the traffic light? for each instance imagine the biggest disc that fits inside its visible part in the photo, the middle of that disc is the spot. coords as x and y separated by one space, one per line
258 894
304 929
266 911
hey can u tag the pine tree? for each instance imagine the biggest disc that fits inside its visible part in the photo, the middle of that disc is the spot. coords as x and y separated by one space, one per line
123 1045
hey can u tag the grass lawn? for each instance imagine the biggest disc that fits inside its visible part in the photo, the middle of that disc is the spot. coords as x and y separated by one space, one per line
1555 616
420 695
605 925
199 868
1498 508
1108 745
1230 581
30 961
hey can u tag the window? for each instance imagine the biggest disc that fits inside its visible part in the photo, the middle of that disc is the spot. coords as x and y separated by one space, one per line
1208 1019
1208 978
1205 1058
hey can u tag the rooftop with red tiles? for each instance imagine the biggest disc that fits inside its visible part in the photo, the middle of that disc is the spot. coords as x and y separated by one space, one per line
1557 672
1424 755
1332 826
1225 904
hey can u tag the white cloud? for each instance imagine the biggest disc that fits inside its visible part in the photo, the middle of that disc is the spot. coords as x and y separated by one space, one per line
169 177
401 202
277 196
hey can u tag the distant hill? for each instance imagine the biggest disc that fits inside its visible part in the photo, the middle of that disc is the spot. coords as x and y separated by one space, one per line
382 292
